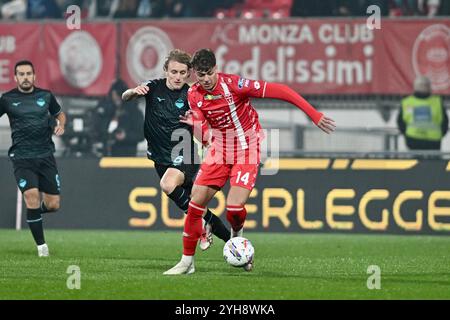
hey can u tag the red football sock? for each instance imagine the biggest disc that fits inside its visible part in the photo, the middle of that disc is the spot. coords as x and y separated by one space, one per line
192 228
236 216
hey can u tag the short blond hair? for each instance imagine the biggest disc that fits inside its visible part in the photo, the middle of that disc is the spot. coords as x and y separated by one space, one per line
179 56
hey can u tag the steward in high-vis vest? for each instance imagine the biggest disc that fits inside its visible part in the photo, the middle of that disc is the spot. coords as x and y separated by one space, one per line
422 118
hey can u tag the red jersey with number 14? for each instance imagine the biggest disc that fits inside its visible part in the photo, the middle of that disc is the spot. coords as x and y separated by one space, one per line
227 108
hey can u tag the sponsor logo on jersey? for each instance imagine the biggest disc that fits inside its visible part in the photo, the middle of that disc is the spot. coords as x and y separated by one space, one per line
40 102
216 111
257 85
160 99
179 103
212 97
22 183
247 83
15 104
241 83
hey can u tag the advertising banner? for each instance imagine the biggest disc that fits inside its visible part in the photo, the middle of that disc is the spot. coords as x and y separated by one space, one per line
313 56
341 56
20 42
80 62
306 195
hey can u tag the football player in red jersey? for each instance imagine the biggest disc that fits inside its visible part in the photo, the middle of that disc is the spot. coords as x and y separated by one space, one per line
220 104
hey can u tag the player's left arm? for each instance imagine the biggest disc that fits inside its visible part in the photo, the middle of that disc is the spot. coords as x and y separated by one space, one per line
56 111
2 107
283 92
61 124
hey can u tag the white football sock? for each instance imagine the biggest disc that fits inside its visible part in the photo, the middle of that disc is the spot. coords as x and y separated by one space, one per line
187 259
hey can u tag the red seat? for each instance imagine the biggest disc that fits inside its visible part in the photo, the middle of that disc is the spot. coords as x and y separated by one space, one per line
252 13
268 4
226 13
280 14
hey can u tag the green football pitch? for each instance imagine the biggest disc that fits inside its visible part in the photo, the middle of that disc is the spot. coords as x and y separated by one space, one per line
129 265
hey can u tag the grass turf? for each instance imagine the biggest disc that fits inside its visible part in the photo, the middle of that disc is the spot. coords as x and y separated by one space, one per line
129 265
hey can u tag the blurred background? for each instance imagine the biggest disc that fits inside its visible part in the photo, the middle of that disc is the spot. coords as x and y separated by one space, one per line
356 61
323 49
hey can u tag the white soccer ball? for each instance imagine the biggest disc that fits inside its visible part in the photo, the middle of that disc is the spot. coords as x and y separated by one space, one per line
238 251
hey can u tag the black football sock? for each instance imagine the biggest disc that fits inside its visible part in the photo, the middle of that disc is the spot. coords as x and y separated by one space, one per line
217 227
34 220
181 198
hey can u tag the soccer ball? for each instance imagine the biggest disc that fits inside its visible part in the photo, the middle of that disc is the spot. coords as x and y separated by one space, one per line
238 251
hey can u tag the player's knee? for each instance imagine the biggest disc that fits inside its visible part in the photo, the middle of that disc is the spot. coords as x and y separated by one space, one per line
167 186
32 199
53 205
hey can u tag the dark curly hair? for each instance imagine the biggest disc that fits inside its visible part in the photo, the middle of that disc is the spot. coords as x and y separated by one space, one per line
203 60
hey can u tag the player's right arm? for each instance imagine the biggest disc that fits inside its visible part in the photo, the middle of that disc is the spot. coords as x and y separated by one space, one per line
134 93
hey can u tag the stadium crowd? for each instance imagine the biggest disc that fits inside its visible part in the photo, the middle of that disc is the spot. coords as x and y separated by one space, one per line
55 9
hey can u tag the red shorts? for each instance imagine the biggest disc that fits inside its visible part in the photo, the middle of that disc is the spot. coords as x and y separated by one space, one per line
241 173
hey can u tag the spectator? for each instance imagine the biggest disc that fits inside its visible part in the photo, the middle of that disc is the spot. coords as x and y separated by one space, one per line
422 117
127 9
403 8
172 8
103 8
43 9
382 4
308 8
119 124
444 9
144 9
15 9
429 8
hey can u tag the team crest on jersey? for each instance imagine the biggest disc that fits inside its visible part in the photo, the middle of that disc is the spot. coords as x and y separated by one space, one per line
229 99
179 103
22 183
212 97
40 102
257 85
178 161
199 104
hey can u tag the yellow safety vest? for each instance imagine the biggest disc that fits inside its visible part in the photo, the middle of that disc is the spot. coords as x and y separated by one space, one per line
423 117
